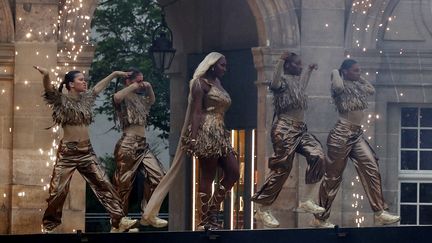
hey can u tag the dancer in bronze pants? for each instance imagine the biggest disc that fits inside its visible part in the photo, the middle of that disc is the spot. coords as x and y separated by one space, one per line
346 140
289 136
132 152
73 112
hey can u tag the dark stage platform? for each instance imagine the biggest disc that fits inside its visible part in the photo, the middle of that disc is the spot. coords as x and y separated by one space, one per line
414 234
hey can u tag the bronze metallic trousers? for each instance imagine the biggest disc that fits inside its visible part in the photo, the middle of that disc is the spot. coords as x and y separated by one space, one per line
132 154
289 137
79 156
345 141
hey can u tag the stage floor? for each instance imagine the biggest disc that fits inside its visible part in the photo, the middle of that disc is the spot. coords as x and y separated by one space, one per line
409 234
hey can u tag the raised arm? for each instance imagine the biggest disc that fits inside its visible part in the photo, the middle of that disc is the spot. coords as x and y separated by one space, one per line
151 98
337 82
278 71
101 85
370 89
46 78
120 95
305 76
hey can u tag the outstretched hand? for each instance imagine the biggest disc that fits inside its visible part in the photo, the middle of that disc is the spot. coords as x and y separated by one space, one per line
313 66
42 70
121 74
285 55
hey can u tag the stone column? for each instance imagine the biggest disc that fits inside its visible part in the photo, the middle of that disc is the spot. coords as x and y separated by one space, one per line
36 44
322 42
7 53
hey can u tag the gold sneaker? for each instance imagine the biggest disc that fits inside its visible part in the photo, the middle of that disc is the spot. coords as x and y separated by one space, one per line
309 207
267 218
385 218
317 223
154 221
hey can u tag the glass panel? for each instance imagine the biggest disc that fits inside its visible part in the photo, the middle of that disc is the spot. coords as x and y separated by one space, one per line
408 192
425 160
408 160
409 117
425 214
409 138
425 138
408 214
426 192
426 117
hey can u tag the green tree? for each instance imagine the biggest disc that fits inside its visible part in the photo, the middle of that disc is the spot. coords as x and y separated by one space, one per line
123 35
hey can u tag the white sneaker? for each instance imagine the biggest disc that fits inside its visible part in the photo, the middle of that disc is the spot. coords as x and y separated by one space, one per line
125 224
133 230
267 218
317 223
309 207
154 221
49 231
385 218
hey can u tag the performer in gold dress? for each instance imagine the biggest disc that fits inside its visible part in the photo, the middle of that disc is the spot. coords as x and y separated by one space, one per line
132 152
346 140
289 136
74 113
204 135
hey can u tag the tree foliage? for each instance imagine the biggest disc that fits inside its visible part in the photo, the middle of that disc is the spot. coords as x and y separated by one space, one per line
123 33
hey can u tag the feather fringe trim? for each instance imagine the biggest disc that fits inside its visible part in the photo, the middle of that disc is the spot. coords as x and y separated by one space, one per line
71 111
133 111
212 140
352 98
290 96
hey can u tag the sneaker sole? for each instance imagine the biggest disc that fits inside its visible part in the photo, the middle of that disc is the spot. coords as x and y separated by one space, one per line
300 210
388 223
258 218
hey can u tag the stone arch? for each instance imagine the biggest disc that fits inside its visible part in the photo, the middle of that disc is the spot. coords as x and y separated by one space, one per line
6 22
271 17
367 28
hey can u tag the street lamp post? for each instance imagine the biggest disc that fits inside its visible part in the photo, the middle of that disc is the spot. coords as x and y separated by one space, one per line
161 50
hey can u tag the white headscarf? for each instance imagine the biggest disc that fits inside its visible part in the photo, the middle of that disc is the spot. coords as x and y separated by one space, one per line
211 59
155 202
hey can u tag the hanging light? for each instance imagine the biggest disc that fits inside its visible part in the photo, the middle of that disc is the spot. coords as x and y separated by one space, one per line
161 50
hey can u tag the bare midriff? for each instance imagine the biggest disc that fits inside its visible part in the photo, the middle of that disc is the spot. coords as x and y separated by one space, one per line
355 117
135 130
75 133
295 114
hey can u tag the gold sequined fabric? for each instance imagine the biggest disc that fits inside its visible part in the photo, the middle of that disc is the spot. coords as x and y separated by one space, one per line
345 141
288 138
290 95
71 111
133 155
213 139
133 110
79 156
353 97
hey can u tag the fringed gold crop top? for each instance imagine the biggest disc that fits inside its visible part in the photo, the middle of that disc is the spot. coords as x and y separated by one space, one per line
353 96
71 111
133 110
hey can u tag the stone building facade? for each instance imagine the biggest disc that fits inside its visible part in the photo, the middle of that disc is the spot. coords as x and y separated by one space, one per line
29 35
390 38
